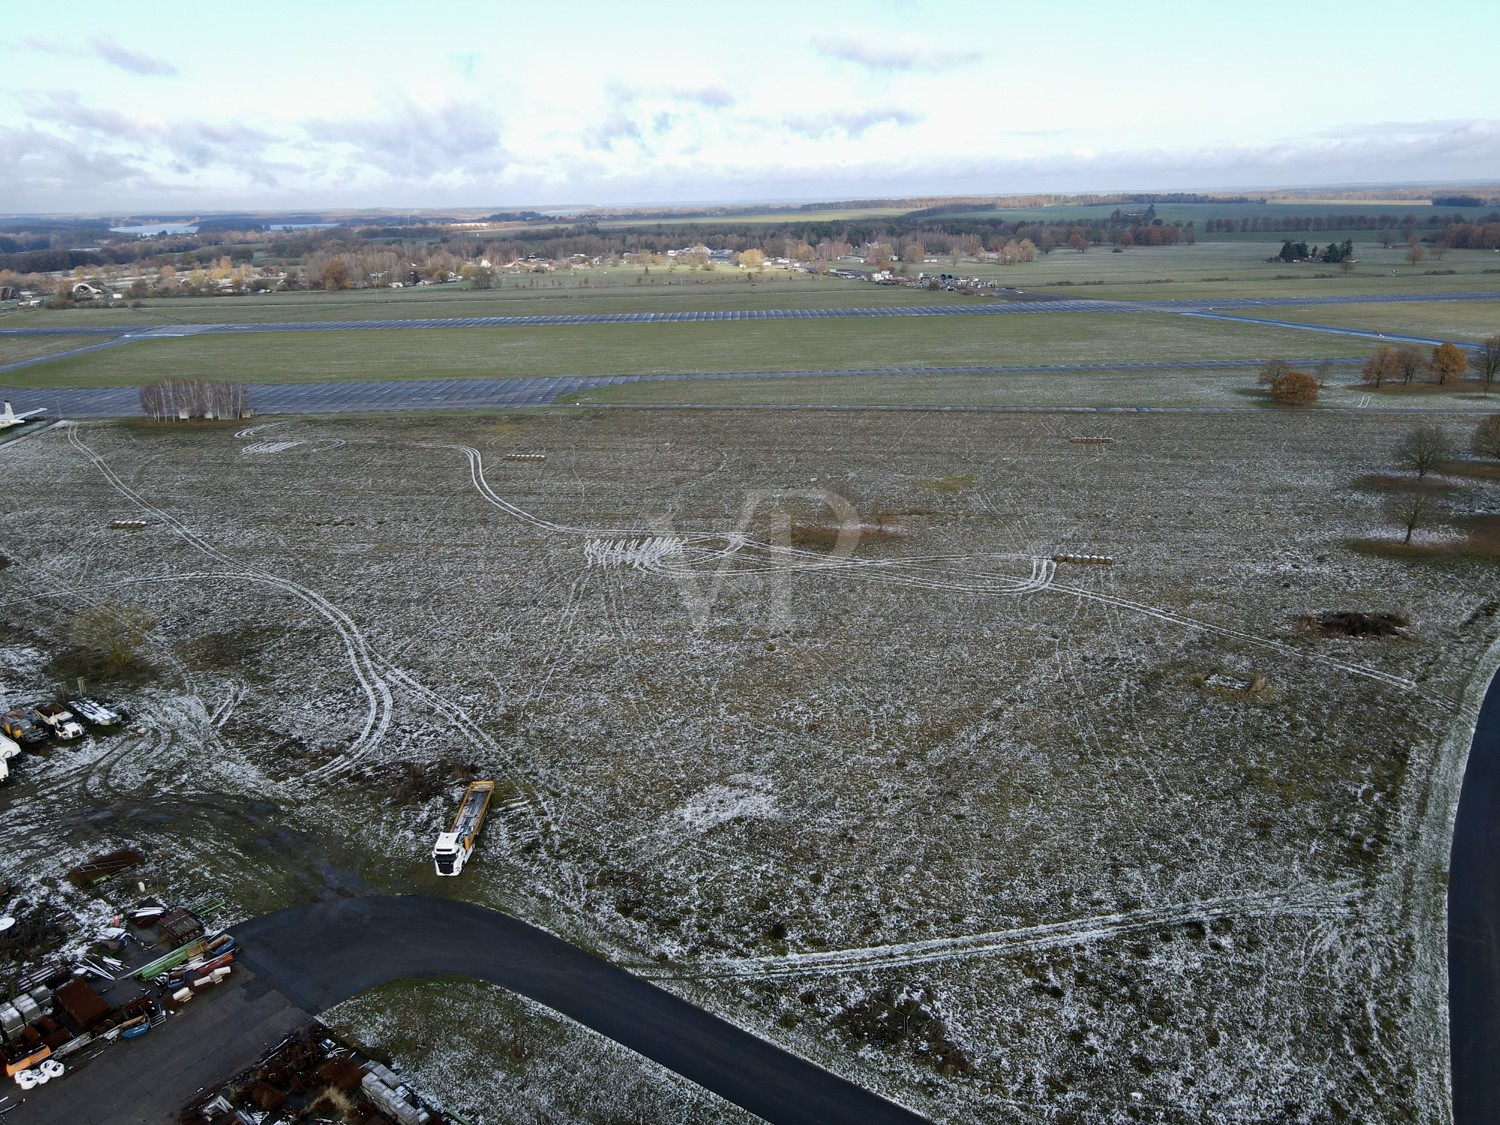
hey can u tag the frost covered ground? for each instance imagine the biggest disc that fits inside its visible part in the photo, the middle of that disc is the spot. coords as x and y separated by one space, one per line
516 1061
795 713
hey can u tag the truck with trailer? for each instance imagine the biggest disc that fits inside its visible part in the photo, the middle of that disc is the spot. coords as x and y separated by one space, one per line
454 847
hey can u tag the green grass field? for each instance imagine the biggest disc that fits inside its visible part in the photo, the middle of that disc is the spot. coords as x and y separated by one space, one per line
1452 320
13 349
583 291
639 348
1211 270
1200 213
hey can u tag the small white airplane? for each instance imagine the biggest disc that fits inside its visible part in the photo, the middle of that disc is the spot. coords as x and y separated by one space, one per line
11 418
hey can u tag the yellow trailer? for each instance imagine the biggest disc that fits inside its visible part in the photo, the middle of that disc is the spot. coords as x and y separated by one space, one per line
454 847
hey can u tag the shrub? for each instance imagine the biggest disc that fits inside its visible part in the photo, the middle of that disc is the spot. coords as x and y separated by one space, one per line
1296 388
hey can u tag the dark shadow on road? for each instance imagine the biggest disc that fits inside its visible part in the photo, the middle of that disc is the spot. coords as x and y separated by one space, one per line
1474 927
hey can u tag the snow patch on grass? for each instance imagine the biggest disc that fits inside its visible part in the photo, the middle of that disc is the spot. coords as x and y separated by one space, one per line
747 796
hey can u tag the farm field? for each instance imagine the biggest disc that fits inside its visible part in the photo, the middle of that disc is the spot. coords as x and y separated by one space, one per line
686 348
796 713
1199 213
1211 270
1170 389
1444 320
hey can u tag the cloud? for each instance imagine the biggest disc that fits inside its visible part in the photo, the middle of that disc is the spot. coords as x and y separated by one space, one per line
44 170
713 95
106 49
849 122
417 141
892 53
65 107
187 140
135 62
707 92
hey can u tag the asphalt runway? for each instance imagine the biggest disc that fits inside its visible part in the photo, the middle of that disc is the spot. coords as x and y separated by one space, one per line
320 953
1474 927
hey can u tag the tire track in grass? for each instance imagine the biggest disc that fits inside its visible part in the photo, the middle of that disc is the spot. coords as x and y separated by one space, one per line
367 665
225 709
523 798
356 646
1319 903
904 572
1236 634
779 558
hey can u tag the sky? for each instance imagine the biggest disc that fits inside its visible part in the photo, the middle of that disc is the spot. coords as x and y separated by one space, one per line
194 107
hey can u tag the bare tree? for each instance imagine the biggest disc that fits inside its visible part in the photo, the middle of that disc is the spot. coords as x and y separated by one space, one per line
1272 370
1488 361
1380 367
1424 448
1412 510
198 398
1409 363
1487 437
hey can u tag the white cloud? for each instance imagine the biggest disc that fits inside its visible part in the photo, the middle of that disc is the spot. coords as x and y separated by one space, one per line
108 50
891 52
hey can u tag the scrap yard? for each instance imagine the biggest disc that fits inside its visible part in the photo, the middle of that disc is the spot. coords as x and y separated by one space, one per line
78 990
81 997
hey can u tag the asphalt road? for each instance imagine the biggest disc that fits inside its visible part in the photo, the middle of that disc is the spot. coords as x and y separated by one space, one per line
320 953
1474 927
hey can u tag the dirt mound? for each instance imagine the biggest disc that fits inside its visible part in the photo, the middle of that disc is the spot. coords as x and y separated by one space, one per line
1349 623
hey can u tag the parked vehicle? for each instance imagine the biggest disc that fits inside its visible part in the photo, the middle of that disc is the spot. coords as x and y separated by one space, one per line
60 720
21 727
91 711
454 847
